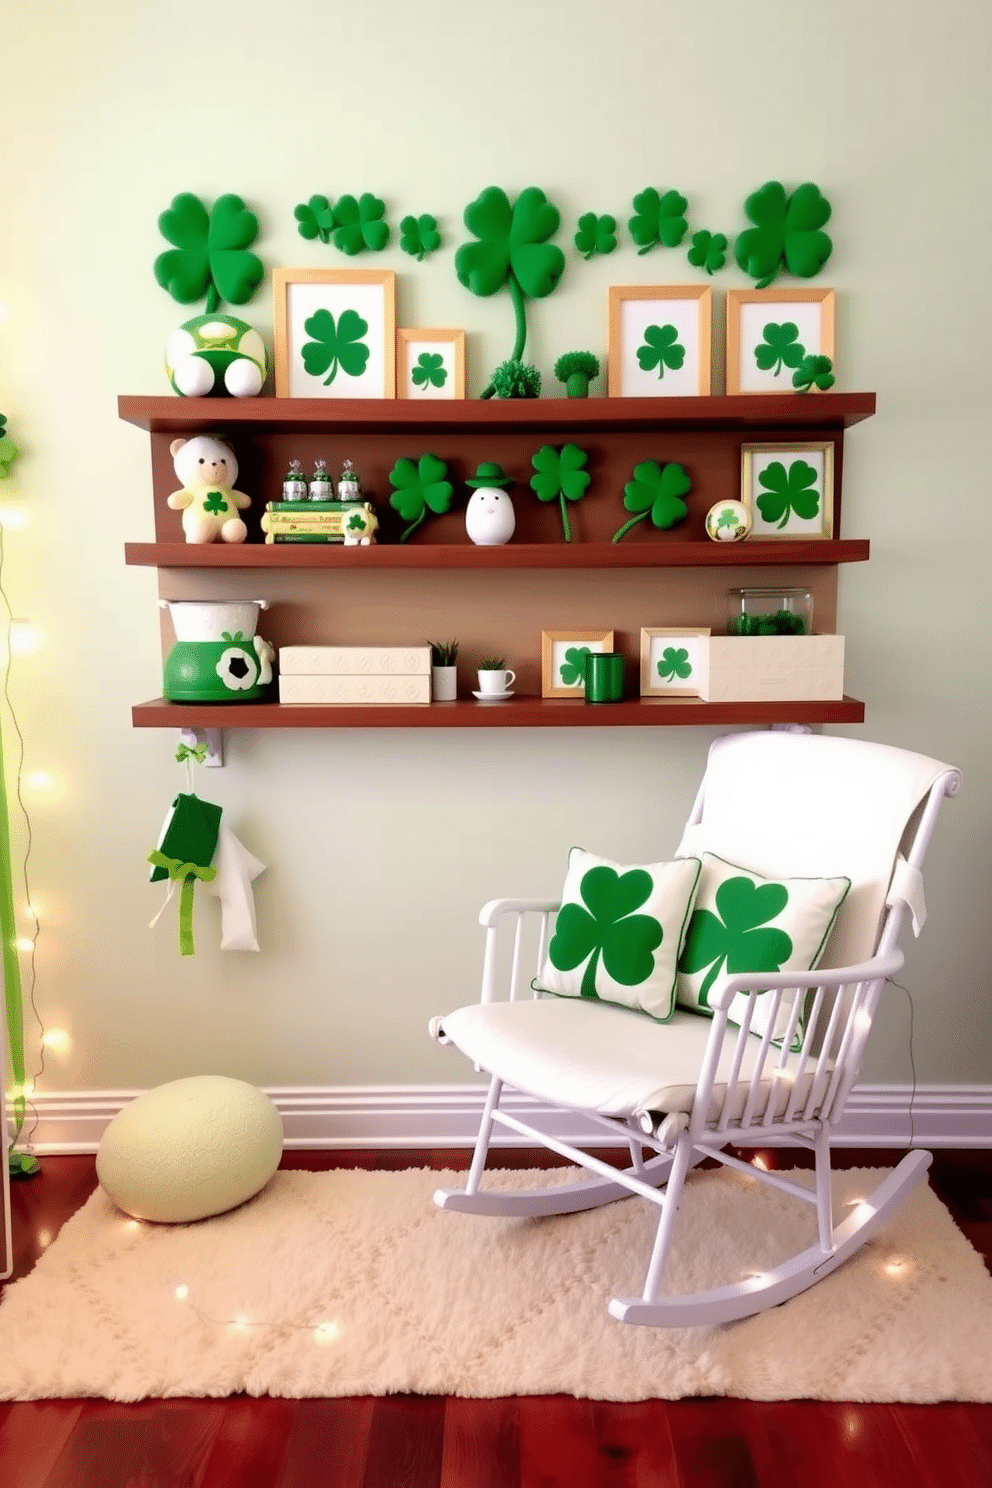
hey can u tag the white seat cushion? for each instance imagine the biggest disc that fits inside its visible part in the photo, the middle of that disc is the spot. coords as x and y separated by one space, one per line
595 1058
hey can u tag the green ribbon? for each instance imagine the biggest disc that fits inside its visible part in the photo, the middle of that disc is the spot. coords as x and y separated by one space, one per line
11 965
186 874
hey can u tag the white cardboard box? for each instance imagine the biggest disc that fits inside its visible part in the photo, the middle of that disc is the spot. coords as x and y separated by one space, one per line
361 690
355 661
753 669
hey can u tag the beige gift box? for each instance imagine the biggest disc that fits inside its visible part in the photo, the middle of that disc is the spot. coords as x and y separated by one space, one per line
757 669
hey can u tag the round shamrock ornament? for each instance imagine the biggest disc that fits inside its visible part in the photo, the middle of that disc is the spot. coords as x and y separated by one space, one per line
728 521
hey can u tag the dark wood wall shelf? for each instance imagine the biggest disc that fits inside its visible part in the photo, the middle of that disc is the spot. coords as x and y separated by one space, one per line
495 598
515 712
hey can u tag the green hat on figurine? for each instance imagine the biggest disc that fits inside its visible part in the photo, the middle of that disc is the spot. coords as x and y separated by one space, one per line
490 473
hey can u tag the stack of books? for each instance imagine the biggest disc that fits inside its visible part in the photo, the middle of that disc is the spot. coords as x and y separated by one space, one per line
309 521
354 674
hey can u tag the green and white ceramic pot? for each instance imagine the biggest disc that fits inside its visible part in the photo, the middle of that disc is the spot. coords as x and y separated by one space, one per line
217 657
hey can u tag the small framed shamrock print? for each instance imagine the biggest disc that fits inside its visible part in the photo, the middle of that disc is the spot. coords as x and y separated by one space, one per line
659 341
672 660
430 364
563 660
771 333
335 333
788 490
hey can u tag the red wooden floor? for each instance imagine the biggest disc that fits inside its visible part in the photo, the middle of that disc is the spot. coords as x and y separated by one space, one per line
528 1442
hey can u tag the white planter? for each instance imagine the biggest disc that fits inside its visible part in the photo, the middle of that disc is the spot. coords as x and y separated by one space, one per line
758 669
207 620
444 684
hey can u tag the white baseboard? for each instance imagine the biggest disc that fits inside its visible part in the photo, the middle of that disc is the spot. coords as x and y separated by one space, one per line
400 1116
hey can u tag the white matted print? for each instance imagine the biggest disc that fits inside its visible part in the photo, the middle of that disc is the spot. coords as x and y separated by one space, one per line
563 656
430 364
788 490
335 333
769 331
659 340
672 660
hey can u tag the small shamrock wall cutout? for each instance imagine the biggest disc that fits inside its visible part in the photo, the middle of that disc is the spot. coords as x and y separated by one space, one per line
604 927
707 251
335 347
560 474
674 663
656 491
210 257
814 372
352 225
419 488
430 371
658 220
419 235
788 491
662 348
595 234
572 670
787 233
779 347
315 219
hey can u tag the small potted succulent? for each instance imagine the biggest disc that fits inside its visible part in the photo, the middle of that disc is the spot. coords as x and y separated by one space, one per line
495 680
444 672
576 369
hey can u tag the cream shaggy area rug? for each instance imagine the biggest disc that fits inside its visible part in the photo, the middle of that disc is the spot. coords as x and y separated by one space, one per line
353 1283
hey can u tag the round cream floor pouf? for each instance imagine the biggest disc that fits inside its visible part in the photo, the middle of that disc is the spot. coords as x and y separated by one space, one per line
189 1149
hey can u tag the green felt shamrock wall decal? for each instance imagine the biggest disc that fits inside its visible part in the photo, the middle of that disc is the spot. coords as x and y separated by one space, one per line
595 234
419 235
430 370
512 248
658 220
656 491
814 372
419 488
359 224
560 474
707 251
605 927
572 667
779 347
335 346
315 219
788 491
674 663
734 936
210 256
662 348
787 233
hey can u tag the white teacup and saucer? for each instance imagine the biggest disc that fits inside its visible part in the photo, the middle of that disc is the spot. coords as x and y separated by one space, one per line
495 685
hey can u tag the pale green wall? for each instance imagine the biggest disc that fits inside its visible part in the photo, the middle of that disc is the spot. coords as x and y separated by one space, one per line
109 108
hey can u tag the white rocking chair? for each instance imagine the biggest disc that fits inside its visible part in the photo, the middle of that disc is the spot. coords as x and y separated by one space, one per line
681 1091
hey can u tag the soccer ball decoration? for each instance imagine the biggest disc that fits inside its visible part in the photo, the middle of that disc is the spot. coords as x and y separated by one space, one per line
728 521
215 356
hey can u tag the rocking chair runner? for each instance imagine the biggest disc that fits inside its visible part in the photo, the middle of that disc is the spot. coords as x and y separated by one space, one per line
779 805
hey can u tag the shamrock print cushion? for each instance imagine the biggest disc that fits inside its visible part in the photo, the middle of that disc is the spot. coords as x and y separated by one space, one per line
742 921
619 931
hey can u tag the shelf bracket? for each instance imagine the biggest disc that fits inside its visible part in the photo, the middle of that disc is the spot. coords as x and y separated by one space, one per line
213 738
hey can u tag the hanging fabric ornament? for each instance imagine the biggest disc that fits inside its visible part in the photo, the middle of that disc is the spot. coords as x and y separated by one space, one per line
184 855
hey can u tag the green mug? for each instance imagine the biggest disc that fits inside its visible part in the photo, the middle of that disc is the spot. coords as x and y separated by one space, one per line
604 677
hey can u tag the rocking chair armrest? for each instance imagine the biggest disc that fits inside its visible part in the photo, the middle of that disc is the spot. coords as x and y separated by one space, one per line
877 967
494 908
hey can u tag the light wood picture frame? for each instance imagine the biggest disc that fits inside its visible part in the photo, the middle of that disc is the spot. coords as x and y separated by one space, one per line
318 357
777 489
660 340
767 329
430 364
562 674
672 660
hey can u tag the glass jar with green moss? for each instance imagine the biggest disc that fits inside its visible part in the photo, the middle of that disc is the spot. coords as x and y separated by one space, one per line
758 612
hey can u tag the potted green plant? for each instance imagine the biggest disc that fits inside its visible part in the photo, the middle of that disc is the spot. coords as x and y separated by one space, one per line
576 369
444 672
495 681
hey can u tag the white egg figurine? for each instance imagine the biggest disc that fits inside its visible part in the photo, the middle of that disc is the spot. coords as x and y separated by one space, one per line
489 517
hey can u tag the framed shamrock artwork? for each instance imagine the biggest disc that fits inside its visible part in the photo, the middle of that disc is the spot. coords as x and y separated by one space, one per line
335 333
772 335
430 365
659 341
563 660
788 490
672 660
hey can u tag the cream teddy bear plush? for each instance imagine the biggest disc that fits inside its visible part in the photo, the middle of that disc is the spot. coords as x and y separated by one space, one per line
208 501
